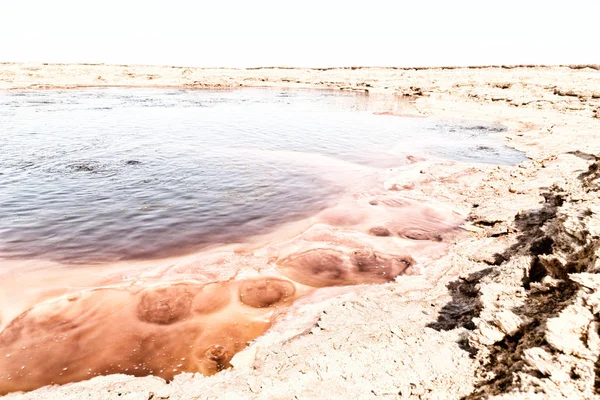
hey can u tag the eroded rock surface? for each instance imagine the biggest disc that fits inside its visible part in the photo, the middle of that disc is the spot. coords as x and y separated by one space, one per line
538 328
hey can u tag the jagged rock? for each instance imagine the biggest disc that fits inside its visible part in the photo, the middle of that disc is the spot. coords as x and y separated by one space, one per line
508 322
565 332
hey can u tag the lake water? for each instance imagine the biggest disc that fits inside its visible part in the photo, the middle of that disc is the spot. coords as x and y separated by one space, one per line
108 174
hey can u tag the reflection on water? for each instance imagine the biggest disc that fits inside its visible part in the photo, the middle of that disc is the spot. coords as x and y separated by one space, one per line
99 175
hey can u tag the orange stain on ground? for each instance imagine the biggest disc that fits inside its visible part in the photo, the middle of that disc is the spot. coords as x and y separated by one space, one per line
164 325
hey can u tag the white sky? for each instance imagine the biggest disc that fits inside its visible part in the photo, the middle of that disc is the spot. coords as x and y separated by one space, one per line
242 33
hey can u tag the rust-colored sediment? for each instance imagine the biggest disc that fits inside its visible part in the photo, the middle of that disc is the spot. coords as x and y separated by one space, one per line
195 315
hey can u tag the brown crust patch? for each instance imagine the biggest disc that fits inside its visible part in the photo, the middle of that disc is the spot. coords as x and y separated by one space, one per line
420 234
165 306
316 268
262 293
219 356
380 231
377 267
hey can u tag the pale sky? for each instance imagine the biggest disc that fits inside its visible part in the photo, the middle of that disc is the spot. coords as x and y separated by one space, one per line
246 33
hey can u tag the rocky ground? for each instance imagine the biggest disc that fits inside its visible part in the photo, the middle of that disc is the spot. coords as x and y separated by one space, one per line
512 311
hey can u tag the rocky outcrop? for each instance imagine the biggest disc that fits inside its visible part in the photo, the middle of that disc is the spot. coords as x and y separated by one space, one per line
537 328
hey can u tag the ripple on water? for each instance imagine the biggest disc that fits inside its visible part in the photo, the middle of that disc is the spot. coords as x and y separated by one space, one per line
112 174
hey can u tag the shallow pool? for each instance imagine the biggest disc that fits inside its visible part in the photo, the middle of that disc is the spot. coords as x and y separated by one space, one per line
108 174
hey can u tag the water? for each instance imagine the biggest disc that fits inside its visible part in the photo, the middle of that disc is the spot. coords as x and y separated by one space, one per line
108 174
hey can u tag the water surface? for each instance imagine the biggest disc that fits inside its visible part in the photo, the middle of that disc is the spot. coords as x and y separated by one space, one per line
108 174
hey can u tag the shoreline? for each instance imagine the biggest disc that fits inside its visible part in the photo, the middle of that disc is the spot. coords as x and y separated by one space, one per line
488 289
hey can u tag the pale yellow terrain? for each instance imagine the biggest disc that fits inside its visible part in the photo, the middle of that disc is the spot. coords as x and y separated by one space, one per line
511 310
